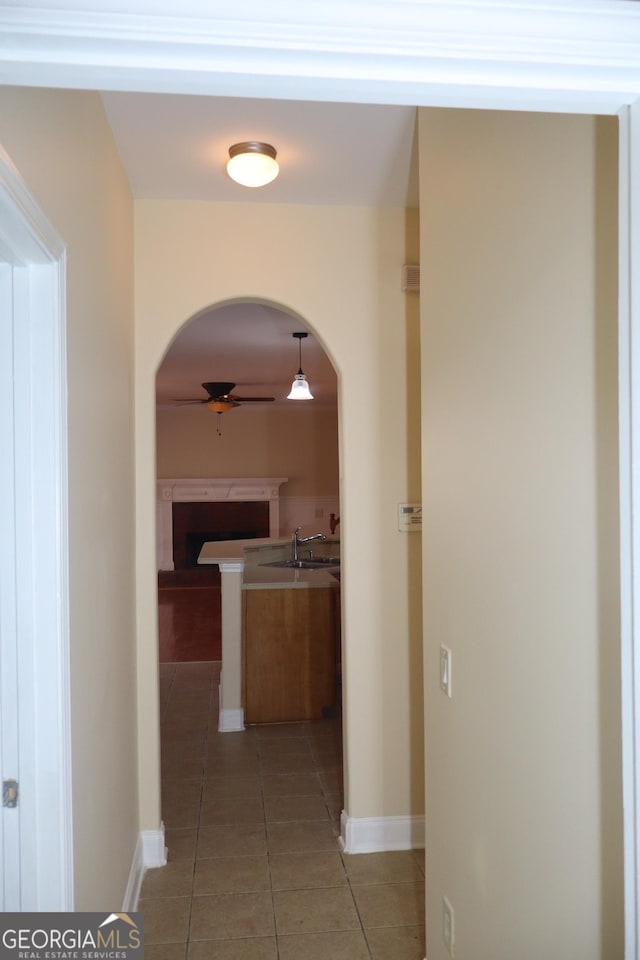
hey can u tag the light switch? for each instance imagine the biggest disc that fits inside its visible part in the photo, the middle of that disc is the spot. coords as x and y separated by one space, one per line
445 670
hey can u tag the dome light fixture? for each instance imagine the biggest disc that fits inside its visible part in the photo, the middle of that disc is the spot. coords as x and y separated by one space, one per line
300 388
252 164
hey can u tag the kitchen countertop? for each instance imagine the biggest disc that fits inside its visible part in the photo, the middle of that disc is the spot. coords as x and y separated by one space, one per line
255 553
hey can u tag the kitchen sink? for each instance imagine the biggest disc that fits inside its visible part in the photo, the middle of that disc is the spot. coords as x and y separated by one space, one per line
316 564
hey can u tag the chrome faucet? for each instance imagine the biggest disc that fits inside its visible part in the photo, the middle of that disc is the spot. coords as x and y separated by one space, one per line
296 540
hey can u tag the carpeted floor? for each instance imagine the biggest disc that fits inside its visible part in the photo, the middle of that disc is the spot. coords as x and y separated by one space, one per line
189 615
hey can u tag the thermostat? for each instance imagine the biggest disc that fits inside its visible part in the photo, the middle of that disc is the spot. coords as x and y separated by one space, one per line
409 516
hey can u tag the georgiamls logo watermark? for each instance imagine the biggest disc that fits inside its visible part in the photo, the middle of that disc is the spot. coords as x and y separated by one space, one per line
71 936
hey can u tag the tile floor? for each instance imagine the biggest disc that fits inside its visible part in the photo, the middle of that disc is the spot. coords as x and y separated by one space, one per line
255 871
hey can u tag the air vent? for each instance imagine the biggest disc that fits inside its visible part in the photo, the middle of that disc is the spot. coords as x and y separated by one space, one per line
411 278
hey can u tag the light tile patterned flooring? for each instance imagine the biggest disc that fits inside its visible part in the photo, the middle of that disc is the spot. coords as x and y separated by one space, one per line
255 871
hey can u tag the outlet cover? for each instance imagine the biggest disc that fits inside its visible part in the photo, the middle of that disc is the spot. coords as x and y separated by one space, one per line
448 931
445 671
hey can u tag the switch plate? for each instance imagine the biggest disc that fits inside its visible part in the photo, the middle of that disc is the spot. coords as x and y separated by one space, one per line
445 670
447 927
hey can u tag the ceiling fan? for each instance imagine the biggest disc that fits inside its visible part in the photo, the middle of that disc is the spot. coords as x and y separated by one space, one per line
220 398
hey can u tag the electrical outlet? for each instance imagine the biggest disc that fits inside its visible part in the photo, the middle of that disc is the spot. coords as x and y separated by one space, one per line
447 927
445 670
319 513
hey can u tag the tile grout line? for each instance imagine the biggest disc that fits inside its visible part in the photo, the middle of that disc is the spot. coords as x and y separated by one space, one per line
197 838
357 909
267 851
344 867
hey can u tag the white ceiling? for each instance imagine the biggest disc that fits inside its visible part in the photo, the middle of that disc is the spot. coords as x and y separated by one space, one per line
176 146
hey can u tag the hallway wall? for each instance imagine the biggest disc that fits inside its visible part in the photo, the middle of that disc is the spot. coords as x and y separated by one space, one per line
62 145
520 467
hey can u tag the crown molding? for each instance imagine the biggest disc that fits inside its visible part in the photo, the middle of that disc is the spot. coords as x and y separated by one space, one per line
576 54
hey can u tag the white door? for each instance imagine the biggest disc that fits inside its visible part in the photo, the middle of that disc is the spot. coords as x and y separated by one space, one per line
35 767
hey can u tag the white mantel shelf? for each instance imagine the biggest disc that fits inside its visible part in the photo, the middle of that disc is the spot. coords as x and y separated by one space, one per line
220 488
201 490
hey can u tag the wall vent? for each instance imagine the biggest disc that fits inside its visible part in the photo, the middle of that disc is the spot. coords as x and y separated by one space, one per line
411 278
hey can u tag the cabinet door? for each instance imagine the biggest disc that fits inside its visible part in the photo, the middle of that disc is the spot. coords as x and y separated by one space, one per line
289 661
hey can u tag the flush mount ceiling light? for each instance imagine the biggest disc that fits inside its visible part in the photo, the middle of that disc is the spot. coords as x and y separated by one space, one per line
300 387
253 164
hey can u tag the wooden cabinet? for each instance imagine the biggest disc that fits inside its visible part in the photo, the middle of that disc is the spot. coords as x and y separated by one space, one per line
289 662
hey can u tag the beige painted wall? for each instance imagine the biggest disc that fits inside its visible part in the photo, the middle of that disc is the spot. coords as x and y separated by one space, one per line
523 795
339 269
256 442
61 144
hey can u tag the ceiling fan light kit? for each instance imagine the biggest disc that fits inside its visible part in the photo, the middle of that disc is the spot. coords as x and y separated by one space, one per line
221 406
300 388
252 163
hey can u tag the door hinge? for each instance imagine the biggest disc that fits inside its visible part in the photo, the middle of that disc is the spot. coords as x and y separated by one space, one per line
9 793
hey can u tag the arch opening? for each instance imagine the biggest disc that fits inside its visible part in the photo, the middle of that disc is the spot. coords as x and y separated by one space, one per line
248 346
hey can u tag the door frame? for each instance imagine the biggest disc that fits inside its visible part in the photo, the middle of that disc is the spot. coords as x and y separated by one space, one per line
36 561
629 465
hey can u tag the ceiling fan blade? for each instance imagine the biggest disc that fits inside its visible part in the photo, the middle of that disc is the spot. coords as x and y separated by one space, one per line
220 392
251 399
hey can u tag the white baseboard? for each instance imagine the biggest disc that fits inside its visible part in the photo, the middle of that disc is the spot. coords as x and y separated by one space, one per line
154 850
377 834
230 720
150 852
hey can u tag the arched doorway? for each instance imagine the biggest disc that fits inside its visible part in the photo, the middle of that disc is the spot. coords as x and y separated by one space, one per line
250 345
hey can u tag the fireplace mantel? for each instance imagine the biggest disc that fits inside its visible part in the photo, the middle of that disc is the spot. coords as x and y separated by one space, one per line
198 490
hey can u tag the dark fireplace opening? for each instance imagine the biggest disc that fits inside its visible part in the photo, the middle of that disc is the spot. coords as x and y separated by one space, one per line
198 523
194 541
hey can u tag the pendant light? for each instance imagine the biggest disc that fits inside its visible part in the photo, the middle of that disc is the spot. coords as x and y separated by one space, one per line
300 388
253 164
